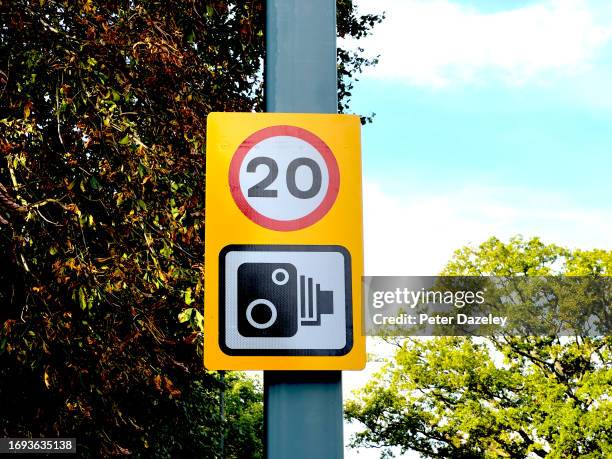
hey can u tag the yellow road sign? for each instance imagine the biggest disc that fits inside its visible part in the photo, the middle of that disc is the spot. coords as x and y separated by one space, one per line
284 244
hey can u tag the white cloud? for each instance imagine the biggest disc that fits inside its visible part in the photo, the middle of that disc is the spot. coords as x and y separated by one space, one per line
417 234
439 42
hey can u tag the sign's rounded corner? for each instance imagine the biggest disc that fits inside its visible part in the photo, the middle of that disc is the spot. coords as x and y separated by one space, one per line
346 350
227 249
212 116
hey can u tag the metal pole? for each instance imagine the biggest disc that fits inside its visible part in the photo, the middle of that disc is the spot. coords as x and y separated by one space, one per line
303 410
300 71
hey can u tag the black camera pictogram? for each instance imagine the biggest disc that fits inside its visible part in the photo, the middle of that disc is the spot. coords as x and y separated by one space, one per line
274 300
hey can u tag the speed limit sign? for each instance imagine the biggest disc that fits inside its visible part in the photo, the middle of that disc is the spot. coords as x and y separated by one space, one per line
284 178
283 242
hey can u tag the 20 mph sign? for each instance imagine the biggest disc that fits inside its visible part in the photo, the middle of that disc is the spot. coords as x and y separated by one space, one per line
284 178
283 242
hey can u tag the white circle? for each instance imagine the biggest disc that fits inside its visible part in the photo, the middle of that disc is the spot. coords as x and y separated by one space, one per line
282 150
285 276
249 314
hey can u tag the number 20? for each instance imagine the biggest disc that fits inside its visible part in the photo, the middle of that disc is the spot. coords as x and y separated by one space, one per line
261 190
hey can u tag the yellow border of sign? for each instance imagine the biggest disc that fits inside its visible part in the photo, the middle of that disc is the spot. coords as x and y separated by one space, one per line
227 225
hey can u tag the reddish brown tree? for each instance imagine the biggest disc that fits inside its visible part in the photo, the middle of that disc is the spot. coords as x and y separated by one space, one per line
102 131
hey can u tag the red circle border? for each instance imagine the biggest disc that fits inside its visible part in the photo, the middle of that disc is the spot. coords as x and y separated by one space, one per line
289 131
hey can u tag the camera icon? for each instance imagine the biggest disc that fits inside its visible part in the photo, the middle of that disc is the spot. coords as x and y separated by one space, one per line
274 300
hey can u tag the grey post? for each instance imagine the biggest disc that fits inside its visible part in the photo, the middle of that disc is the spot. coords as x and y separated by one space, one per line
303 409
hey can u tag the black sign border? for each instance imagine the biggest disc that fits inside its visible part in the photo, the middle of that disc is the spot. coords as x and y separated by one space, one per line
348 295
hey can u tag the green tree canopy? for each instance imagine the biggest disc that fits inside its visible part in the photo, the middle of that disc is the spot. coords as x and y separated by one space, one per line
102 131
499 397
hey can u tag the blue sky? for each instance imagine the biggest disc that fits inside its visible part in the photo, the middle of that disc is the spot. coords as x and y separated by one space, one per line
492 118
494 6
517 136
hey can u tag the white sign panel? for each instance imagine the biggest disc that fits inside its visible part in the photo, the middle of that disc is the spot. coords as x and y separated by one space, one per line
285 300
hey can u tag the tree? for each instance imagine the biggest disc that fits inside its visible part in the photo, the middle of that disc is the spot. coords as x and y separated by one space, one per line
244 426
498 397
102 132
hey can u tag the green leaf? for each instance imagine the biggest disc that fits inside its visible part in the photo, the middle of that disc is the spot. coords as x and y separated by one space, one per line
199 321
125 140
82 299
95 185
188 298
185 315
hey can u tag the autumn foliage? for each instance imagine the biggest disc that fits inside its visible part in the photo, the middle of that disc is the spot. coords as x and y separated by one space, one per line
103 109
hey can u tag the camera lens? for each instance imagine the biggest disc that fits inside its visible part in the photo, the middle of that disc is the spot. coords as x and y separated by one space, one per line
280 276
260 325
267 300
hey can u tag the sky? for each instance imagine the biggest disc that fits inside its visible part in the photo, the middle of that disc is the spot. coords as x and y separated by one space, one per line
493 118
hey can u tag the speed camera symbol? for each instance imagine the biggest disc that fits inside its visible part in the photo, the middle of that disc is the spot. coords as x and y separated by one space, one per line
274 300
